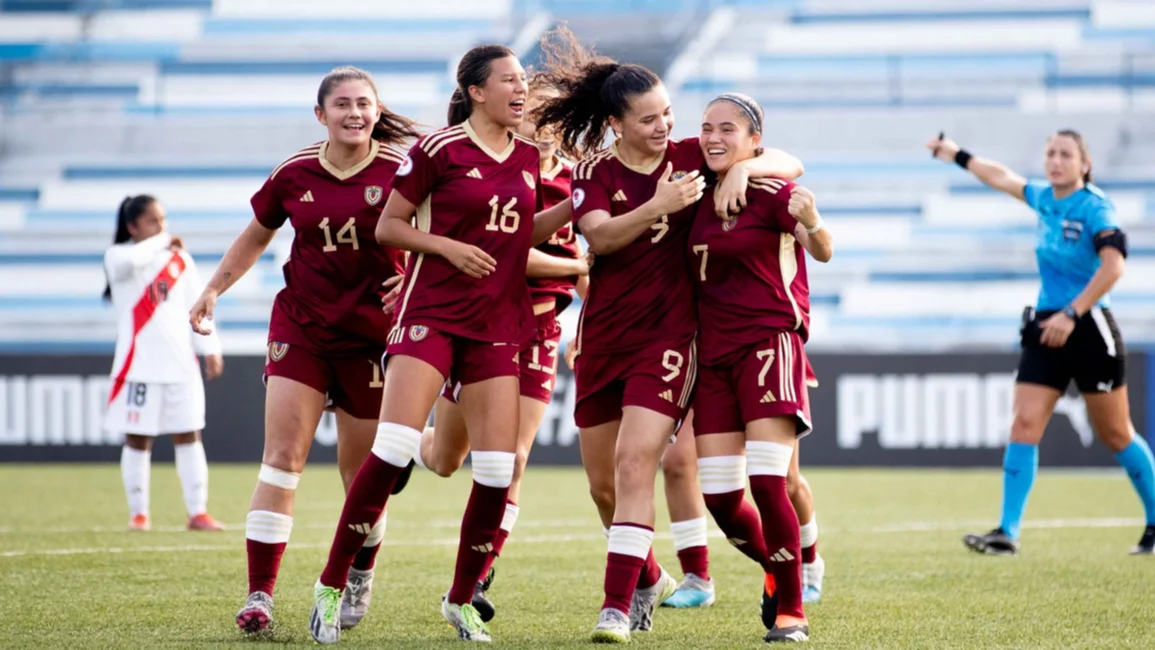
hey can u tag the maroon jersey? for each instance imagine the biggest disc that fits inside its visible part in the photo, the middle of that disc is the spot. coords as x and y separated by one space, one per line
750 272
555 188
467 192
334 272
643 292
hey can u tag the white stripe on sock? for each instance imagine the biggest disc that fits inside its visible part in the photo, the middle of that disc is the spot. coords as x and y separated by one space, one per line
809 532
722 474
377 533
689 533
268 527
767 458
493 468
630 540
395 443
510 518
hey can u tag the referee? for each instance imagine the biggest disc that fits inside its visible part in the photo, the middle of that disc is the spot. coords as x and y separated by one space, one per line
1070 333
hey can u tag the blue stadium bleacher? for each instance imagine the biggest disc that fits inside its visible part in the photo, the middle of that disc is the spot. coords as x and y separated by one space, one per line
195 101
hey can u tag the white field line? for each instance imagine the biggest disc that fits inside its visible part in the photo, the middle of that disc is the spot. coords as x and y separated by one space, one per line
400 523
908 527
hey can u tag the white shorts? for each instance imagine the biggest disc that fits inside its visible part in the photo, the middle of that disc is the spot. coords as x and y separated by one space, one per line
152 409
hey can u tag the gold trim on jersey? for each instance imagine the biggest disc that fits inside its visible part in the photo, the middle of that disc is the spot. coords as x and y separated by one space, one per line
771 185
374 147
552 172
430 144
388 152
424 223
585 169
647 170
497 157
788 264
529 141
691 375
303 154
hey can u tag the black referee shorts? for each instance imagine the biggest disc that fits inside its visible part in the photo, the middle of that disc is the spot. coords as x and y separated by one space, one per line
1094 355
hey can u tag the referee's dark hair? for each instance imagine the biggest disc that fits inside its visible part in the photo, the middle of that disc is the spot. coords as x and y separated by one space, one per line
1084 151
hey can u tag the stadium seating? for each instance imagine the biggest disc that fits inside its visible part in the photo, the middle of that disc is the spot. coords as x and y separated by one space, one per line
195 101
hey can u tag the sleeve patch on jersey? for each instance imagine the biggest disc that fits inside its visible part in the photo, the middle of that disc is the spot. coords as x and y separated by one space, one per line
579 195
406 167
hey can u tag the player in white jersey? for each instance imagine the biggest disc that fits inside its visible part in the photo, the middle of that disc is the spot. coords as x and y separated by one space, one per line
156 378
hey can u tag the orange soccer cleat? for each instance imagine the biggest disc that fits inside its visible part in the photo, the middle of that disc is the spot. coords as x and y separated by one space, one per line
140 522
204 521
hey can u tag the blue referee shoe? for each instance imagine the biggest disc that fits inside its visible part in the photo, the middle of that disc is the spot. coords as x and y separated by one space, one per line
693 592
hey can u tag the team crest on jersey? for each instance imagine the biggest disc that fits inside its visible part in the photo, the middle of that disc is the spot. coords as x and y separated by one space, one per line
373 194
729 223
277 350
529 179
678 175
579 195
418 333
406 167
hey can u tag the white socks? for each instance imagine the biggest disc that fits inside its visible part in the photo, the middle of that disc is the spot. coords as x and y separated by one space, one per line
193 470
134 470
268 527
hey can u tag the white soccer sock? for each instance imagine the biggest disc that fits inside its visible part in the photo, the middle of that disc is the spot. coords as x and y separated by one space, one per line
689 533
134 469
808 533
193 470
630 540
510 517
417 459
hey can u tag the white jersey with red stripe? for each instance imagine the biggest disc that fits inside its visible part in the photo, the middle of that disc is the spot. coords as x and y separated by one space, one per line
153 289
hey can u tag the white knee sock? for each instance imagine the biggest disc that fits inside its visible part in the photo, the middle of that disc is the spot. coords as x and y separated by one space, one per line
193 470
134 470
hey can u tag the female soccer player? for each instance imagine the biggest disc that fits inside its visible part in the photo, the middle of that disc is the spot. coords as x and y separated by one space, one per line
753 310
464 314
636 358
327 330
1070 333
555 269
157 387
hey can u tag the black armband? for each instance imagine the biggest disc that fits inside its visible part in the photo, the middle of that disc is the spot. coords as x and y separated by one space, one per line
962 158
1114 238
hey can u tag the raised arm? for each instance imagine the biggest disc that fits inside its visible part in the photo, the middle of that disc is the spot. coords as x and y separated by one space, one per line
992 173
810 231
122 259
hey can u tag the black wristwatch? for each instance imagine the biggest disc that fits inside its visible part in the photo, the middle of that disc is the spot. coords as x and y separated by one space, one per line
1070 312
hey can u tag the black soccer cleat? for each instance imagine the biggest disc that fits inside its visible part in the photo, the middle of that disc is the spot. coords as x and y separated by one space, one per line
482 604
790 634
1146 545
996 542
769 602
403 478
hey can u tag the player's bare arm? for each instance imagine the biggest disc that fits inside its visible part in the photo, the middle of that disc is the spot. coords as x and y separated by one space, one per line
547 222
730 195
544 265
241 257
810 231
992 173
394 229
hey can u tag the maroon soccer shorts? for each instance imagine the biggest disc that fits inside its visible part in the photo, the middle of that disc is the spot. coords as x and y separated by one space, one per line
351 379
767 380
538 362
659 378
458 359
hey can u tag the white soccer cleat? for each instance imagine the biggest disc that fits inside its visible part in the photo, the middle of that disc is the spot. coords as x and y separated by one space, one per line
647 600
812 575
693 592
613 627
355 601
325 619
466 621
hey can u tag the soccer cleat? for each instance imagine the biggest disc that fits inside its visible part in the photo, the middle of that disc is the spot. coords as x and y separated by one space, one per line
646 601
204 521
1146 545
693 592
789 634
481 602
403 478
355 601
812 575
769 601
996 542
613 627
140 522
257 614
325 620
467 622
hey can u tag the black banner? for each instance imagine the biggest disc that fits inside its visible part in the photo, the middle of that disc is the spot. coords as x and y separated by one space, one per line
873 410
